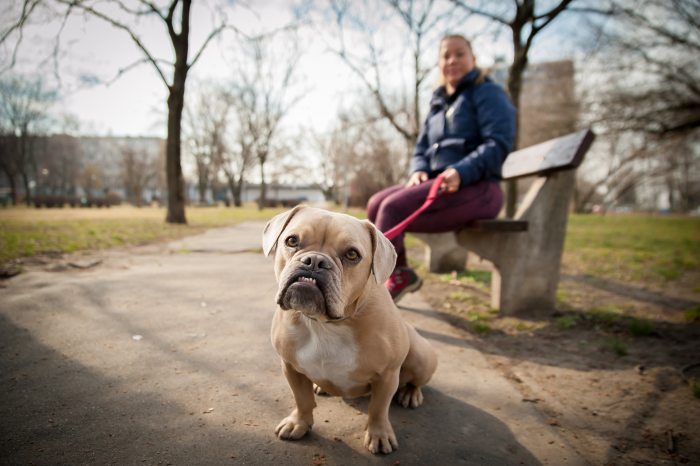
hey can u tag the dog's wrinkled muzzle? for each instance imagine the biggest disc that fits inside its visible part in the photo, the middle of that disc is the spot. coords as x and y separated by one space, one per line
308 285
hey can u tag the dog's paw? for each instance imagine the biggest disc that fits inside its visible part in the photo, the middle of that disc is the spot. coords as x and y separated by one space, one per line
319 391
381 441
292 428
409 396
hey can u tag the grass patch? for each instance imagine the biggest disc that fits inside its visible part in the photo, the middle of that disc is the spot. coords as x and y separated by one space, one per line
617 346
695 387
478 278
605 314
566 322
27 231
481 327
562 296
645 248
479 320
693 314
462 297
641 328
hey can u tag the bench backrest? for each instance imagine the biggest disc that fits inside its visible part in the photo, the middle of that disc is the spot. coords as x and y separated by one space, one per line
561 153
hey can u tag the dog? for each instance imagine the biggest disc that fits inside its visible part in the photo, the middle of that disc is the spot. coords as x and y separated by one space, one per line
336 328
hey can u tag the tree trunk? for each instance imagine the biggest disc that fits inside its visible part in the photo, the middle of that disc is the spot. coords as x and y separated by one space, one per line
262 201
236 193
515 82
202 189
173 168
176 102
13 188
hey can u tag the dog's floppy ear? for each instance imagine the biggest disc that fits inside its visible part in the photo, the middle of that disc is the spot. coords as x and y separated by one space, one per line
274 229
383 254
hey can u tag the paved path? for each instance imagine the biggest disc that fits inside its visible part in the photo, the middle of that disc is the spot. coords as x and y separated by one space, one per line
161 355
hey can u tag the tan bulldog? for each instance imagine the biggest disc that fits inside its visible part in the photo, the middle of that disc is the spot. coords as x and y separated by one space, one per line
336 327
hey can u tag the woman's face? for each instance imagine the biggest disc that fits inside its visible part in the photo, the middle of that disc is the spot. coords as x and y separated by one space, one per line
456 60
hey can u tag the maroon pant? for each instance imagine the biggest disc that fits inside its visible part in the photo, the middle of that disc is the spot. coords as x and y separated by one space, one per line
448 212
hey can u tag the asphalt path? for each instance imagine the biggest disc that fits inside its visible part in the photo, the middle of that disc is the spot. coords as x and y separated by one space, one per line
162 355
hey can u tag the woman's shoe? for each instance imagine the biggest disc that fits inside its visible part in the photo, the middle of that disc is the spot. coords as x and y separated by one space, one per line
403 280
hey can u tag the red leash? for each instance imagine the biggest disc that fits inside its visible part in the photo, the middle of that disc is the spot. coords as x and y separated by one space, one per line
432 194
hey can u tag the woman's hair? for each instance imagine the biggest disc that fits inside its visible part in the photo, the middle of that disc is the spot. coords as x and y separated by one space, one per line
482 74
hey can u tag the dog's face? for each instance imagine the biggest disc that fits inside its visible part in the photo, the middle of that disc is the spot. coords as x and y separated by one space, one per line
325 261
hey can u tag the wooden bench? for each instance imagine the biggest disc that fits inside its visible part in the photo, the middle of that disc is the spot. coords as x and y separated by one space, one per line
526 250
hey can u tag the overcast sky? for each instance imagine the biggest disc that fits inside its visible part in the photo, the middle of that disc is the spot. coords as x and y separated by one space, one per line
134 104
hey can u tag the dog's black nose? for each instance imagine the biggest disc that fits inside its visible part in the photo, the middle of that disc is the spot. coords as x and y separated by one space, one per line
316 262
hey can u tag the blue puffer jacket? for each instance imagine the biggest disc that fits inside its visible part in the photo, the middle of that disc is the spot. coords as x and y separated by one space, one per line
471 130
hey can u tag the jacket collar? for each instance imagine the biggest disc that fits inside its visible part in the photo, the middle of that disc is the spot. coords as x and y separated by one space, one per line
440 96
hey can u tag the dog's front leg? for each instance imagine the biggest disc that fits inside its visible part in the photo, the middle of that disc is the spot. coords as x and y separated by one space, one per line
379 436
299 421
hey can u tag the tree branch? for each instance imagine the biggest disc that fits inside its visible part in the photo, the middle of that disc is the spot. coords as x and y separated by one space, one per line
211 36
118 25
477 11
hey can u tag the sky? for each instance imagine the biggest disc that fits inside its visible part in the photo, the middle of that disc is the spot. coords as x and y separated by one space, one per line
134 103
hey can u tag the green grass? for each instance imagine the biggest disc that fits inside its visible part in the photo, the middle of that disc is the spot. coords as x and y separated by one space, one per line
646 248
693 314
27 232
641 328
617 346
567 321
695 387
605 314
478 278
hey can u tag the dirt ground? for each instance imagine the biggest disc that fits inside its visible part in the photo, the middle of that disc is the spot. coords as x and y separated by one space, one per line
611 368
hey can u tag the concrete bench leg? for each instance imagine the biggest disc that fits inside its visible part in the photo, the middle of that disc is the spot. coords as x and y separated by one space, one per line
526 264
525 285
442 252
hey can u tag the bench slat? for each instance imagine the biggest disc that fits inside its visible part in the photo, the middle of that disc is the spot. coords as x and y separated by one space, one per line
556 154
498 224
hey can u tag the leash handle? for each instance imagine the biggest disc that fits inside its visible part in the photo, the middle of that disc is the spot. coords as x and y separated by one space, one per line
432 194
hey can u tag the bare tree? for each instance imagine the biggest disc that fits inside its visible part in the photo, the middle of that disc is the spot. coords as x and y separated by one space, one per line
358 157
655 43
421 24
139 171
235 159
339 154
175 17
24 106
9 161
92 178
200 134
646 96
58 159
218 140
261 99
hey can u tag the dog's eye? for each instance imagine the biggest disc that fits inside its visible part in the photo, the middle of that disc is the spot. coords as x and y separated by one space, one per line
292 241
352 255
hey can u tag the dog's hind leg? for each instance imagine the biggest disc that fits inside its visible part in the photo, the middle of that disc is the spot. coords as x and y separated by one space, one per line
416 370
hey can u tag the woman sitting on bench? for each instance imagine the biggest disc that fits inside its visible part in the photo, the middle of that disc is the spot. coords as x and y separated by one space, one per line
467 134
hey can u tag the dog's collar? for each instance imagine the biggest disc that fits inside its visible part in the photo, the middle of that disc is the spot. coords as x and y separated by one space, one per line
327 321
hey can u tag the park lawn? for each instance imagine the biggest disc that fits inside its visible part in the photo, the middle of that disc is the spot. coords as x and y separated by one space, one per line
641 248
27 232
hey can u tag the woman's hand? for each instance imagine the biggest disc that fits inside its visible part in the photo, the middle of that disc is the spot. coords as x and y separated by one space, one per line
451 180
417 178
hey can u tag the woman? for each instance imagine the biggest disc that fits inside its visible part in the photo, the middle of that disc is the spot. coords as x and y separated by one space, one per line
466 136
